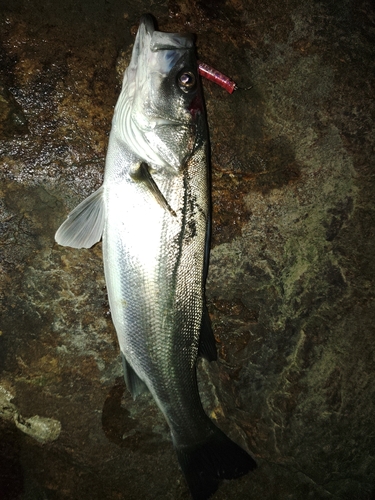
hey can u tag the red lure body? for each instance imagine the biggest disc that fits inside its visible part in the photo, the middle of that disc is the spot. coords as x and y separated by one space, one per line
215 76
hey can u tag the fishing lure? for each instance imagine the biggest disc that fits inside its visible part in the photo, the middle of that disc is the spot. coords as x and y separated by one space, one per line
215 76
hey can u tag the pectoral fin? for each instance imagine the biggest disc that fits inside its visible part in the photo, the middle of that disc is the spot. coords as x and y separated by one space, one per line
142 174
84 225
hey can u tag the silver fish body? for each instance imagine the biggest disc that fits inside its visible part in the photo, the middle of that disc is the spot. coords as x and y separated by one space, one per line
152 213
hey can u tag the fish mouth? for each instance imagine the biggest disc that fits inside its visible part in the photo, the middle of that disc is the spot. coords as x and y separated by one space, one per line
148 40
148 22
145 31
149 117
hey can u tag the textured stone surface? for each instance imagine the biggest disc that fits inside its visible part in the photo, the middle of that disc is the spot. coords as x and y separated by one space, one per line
291 280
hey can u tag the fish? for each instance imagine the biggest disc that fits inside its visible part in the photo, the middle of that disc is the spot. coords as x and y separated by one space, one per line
153 215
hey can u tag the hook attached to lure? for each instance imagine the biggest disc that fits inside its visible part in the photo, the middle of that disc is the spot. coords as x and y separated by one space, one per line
215 76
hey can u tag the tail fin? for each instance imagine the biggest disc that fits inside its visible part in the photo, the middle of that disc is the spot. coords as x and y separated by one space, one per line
206 463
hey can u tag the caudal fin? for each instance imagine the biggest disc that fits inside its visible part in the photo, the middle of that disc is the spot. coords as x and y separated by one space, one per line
217 458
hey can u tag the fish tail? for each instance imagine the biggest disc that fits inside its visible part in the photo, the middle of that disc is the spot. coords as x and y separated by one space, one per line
205 464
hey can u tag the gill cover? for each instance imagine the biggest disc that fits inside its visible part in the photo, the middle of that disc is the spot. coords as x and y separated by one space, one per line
160 102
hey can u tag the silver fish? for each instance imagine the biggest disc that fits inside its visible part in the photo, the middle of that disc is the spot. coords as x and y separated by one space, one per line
152 213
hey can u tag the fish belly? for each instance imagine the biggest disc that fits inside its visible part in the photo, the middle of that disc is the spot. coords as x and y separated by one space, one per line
153 264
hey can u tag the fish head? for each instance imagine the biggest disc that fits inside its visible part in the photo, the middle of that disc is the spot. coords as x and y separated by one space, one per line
161 106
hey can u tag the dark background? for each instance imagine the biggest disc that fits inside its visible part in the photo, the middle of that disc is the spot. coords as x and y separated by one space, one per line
290 289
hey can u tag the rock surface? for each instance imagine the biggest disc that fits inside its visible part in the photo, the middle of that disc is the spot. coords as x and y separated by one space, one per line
291 280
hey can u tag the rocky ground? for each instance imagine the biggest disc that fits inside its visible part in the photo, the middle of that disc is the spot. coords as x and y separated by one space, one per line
291 280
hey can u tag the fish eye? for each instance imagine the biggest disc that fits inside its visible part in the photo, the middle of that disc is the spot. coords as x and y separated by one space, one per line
186 81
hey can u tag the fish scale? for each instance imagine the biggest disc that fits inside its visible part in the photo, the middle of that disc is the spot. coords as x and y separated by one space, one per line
152 213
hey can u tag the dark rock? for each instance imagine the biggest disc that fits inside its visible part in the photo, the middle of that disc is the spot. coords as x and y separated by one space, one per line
291 279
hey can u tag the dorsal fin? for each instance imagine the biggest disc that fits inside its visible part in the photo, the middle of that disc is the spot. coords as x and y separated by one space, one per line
207 344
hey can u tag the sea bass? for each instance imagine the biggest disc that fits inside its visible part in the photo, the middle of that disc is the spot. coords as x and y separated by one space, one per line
152 213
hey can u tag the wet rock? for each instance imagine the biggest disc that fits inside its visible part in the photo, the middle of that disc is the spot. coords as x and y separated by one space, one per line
291 280
12 118
42 429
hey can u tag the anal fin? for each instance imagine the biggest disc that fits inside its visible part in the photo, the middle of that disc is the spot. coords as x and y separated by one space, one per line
135 385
